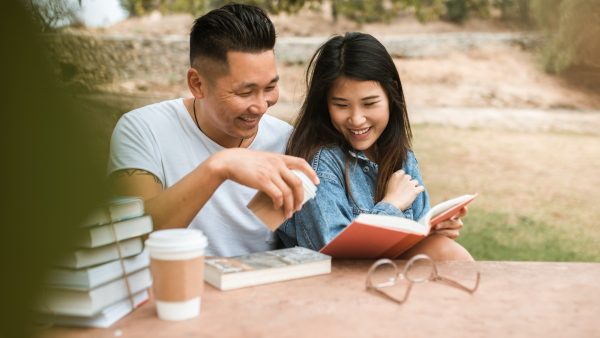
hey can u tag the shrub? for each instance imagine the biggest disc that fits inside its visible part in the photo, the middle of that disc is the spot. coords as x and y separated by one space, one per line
571 29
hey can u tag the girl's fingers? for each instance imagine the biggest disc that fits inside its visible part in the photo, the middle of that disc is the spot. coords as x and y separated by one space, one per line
452 234
450 225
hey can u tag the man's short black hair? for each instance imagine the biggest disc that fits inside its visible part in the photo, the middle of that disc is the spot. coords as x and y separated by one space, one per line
233 27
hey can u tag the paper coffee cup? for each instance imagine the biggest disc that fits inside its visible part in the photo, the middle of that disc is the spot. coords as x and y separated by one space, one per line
177 266
262 205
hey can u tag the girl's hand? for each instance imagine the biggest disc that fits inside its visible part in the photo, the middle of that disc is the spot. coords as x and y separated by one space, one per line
402 190
450 228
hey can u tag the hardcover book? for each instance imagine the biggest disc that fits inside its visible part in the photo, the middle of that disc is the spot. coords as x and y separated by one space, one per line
105 318
89 278
377 236
92 237
226 273
118 209
82 258
89 303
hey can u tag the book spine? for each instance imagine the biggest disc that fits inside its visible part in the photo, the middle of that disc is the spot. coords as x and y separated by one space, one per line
402 246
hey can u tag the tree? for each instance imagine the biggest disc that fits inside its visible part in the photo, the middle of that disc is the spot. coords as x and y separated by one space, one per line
51 14
571 29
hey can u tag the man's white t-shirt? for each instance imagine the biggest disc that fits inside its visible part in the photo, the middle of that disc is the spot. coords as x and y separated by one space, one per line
164 140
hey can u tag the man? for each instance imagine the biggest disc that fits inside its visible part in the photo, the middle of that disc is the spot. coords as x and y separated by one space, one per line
197 162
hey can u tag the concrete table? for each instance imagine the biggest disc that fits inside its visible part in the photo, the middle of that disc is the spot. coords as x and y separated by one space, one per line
520 299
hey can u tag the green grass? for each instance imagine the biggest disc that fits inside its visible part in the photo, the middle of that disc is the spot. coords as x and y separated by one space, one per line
500 236
538 191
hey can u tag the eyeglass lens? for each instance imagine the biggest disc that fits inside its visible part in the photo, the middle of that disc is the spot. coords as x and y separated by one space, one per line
420 269
383 273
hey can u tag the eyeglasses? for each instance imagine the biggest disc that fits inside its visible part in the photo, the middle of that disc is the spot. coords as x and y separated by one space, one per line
419 269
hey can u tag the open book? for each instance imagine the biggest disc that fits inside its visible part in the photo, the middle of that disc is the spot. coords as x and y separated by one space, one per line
376 236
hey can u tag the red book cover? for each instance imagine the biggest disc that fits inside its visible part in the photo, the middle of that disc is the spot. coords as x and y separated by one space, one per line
378 236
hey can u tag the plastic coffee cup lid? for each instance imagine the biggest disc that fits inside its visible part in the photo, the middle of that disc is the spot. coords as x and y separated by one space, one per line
176 240
310 189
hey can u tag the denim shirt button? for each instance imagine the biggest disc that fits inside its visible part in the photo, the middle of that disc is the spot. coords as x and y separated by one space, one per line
366 169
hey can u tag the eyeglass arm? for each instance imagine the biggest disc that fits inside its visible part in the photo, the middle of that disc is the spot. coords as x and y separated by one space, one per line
381 292
459 285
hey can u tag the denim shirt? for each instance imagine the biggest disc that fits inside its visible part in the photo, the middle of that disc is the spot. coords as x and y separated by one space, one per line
326 215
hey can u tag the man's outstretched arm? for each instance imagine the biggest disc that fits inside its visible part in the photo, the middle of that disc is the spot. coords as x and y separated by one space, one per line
176 206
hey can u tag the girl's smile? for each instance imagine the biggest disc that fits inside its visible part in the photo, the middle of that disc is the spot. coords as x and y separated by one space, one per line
359 110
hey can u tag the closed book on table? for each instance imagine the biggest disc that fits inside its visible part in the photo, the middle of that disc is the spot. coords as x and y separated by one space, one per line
89 303
117 209
89 278
227 273
105 318
82 258
92 237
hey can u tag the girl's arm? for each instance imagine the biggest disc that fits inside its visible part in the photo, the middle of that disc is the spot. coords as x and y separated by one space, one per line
325 216
450 228
420 206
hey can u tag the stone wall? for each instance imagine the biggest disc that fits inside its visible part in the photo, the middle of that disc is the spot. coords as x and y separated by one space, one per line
93 60
90 60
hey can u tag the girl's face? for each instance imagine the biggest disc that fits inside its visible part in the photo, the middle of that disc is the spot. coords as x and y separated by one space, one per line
360 111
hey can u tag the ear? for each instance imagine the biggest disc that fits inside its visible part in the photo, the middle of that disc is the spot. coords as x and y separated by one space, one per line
196 83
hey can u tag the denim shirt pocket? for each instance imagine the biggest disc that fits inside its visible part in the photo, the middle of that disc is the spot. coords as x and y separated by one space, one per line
309 238
408 213
361 197
356 210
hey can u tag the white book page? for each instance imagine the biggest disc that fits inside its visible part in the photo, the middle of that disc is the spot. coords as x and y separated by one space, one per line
393 222
441 207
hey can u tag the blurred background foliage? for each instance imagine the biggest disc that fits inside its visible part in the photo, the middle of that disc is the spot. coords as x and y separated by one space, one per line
52 175
46 15
571 31
356 10
570 27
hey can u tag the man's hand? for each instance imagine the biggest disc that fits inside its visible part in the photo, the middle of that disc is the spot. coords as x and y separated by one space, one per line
267 172
451 228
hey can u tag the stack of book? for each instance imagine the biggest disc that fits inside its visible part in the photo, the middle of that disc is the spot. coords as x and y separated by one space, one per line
107 275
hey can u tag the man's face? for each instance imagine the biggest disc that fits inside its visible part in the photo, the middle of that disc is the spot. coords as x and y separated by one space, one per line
235 102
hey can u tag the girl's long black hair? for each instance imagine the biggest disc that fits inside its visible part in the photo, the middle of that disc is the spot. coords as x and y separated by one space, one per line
358 56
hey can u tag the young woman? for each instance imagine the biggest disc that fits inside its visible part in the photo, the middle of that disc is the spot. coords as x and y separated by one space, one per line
353 128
